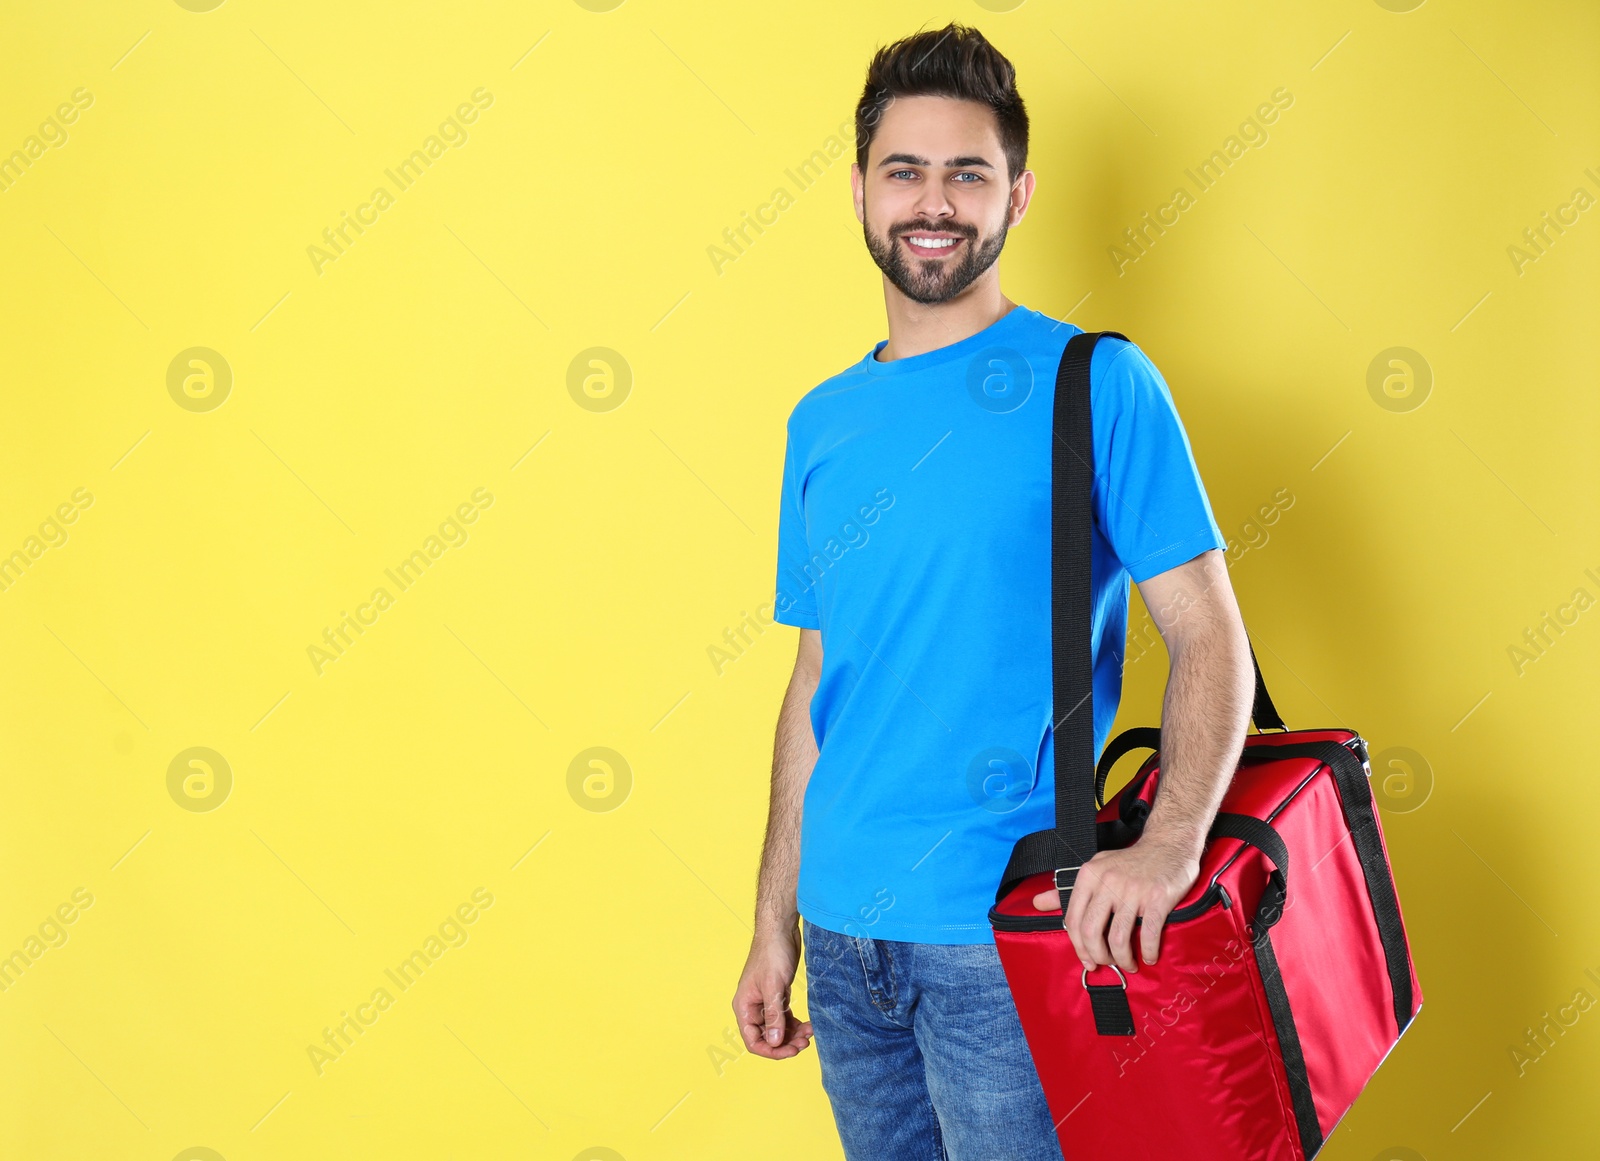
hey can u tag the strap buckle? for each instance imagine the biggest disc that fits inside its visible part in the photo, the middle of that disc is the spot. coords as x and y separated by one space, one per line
1066 878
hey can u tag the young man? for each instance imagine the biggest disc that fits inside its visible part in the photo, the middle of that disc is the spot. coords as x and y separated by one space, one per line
914 556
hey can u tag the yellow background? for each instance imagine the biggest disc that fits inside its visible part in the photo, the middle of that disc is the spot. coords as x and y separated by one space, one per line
372 398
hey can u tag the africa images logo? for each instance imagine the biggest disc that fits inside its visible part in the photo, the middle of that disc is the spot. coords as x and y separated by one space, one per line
1399 379
199 379
199 779
999 780
999 379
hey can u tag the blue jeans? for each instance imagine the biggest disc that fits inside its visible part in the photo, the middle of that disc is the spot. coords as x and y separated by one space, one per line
922 1053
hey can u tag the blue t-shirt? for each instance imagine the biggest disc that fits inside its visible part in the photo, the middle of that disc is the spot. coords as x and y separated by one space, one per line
915 534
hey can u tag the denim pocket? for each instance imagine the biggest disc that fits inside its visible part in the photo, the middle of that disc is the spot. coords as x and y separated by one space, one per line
829 957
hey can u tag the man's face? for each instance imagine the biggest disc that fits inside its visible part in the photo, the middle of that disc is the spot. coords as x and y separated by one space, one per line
935 201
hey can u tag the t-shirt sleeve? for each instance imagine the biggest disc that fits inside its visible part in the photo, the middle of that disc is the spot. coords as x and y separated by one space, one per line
1148 497
795 601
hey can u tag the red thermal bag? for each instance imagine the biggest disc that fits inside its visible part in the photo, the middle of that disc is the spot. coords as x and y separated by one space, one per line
1285 976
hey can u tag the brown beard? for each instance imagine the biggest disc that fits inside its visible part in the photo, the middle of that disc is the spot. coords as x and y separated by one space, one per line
923 282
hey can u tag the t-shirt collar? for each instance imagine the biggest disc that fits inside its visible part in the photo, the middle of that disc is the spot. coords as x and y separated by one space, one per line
996 331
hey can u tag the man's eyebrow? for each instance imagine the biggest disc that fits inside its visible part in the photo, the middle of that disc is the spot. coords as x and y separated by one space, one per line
971 162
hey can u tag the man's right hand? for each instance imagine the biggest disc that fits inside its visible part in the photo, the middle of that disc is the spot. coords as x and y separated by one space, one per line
761 1002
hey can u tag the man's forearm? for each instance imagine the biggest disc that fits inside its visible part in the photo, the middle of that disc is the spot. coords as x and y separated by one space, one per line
1209 686
1209 690
794 753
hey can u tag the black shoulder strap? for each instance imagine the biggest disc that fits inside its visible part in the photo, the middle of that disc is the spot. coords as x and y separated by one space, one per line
1072 841
1071 529
1263 712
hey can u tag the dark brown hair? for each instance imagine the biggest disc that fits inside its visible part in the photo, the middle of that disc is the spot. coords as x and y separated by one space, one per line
954 61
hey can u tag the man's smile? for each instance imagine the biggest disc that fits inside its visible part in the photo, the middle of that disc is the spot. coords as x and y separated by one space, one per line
931 245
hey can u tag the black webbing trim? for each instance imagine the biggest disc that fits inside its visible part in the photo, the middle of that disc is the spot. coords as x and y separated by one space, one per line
1265 838
1355 798
1294 1060
1112 1014
1269 910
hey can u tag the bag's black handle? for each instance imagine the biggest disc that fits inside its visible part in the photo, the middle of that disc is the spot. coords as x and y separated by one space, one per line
1072 842
1254 832
1138 738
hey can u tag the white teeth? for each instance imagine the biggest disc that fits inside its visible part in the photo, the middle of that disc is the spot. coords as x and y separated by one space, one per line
934 243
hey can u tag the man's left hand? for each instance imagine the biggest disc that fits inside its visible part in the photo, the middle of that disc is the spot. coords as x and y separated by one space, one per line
1114 888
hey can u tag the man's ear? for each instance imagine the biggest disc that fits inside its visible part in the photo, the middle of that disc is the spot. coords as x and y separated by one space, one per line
858 191
1021 195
